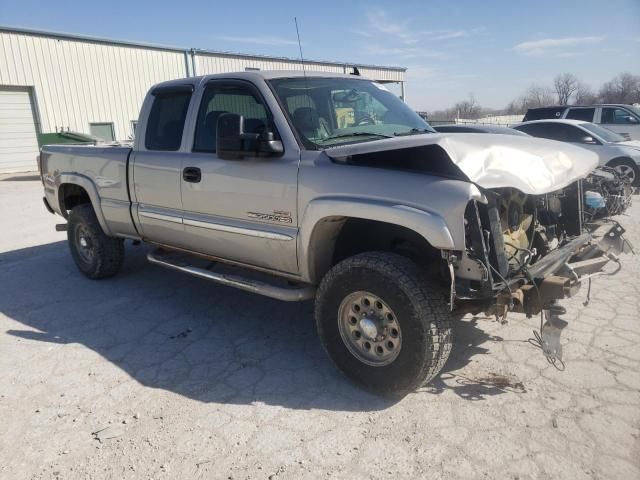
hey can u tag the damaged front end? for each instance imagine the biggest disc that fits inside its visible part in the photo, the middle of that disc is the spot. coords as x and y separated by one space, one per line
539 227
606 193
526 252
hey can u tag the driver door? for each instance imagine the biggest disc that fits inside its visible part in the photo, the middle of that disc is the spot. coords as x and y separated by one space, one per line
241 210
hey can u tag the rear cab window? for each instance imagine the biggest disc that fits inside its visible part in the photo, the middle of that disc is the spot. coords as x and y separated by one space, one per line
167 117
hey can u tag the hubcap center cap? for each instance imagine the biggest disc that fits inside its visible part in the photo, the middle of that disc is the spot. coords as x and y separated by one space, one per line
369 328
83 242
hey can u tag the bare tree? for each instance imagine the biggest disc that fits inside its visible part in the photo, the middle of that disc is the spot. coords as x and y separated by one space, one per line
625 88
565 85
537 96
584 95
514 107
468 108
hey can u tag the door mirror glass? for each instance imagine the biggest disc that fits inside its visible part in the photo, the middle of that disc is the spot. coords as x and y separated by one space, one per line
588 139
232 143
630 119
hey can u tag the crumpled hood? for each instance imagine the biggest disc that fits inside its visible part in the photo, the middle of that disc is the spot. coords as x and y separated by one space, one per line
532 165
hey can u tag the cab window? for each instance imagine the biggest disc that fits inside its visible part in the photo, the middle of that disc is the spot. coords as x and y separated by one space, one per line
220 99
617 116
166 120
584 114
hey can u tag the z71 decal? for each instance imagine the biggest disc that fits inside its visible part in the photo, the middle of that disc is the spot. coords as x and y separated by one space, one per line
276 216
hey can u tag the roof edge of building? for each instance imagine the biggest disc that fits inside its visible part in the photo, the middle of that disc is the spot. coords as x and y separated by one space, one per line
108 41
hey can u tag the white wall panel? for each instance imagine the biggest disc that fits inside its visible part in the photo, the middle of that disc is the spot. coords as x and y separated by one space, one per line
18 140
76 81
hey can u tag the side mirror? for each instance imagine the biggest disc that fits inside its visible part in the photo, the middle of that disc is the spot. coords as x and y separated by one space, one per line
630 119
588 139
232 143
267 144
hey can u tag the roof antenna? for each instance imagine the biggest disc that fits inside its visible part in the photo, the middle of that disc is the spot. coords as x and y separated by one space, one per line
304 71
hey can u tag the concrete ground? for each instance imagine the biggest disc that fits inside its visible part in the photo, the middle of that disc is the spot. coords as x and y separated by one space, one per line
153 374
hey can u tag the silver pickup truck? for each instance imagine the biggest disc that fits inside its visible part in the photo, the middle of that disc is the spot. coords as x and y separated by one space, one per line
328 187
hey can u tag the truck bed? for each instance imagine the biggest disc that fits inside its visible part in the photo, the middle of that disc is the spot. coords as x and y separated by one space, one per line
104 166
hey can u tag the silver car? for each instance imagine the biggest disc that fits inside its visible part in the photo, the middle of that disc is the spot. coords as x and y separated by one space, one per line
619 118
612 149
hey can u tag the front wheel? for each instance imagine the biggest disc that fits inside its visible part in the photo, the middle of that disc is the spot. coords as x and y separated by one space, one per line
383 323
627 169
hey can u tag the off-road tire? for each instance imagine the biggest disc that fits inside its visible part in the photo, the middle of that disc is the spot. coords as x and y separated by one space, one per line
107 252
419 305
627 162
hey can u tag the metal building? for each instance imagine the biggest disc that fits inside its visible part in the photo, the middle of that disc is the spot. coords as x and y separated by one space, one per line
53 82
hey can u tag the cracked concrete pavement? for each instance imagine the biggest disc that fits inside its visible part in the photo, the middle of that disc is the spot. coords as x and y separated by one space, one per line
153 374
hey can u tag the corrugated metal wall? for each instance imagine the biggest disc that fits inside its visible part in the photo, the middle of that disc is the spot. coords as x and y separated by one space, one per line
77 81
210 63
207 63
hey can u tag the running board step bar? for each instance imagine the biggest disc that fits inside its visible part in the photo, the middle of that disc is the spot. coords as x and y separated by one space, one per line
177 262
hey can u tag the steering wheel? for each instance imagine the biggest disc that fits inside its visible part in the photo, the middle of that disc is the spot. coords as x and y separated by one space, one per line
365 120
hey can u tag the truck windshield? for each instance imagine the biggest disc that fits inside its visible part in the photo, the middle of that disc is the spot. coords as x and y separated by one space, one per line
335 111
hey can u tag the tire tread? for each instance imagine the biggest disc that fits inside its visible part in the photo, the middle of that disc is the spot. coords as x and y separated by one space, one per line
109 251
425 295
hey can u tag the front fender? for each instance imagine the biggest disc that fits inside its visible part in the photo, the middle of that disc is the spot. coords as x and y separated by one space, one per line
87 184
315 244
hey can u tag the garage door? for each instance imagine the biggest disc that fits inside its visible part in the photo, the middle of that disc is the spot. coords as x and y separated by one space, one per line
18 139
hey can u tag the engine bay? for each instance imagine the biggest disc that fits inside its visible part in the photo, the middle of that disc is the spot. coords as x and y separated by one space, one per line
533 225
513 235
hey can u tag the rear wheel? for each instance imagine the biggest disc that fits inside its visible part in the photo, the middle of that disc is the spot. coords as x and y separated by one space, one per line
627 169
95 254
383 323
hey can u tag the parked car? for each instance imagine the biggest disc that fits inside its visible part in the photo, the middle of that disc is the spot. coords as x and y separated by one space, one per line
612 149
622 119
472 128
337 191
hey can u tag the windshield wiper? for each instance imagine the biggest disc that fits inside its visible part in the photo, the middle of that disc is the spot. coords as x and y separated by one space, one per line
357 134
413 131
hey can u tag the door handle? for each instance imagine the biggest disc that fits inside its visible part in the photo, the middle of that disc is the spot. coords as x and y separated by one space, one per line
192 174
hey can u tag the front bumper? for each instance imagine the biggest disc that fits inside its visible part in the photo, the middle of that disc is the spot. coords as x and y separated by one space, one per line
561 273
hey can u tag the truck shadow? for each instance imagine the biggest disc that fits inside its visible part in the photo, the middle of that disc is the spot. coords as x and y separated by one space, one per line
206 342
470 341
25 177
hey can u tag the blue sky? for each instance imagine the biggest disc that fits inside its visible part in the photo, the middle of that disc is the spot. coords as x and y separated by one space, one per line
494 49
